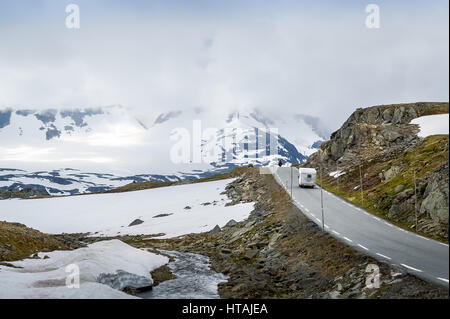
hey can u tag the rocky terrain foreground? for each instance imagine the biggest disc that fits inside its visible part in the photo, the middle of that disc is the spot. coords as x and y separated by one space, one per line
380 146
279 253
276 253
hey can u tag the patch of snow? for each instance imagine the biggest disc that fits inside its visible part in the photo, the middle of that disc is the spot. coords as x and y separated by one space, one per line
46 278
336 174
432 124
110 214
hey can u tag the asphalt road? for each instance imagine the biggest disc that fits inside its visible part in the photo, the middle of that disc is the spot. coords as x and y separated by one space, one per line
420 256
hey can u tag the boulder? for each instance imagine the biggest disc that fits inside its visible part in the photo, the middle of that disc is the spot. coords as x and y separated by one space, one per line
231 223
126 281
136 222
435 206
215 230
252 253
399 188
391 172
394 211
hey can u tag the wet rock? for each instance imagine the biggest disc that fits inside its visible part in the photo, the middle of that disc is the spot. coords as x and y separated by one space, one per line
161 274
126 281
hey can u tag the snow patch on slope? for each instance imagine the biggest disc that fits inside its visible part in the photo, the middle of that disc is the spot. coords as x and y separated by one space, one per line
336 174
432 124
110 214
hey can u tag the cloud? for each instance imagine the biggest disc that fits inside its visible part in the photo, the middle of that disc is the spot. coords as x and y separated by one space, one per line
320 61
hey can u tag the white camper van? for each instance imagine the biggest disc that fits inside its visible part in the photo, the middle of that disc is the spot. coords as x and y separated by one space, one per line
306 177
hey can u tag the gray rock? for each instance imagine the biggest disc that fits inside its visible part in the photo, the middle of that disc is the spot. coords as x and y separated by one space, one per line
136 222
442 215
405 194
399 188
251 254
391 172
215 230
373 116
394 211
435 206
231 223
161 215
225 251
123 280
398 115
387 115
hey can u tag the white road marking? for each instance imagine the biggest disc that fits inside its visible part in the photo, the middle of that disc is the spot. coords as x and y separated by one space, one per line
346 238
423 237
384 256
370 215
365 248
412 268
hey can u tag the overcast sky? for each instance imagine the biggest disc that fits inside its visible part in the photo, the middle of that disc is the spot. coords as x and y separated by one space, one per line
311 57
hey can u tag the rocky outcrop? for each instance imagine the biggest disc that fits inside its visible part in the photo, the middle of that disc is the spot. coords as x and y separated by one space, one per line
435 203
23 193
18 241
381 140
378 131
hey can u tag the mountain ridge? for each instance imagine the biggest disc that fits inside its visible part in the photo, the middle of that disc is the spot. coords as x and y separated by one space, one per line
92 139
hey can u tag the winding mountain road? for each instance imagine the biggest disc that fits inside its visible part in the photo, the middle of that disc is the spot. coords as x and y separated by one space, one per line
423 257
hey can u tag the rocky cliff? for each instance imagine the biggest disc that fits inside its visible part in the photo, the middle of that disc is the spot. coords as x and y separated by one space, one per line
381 141
377 131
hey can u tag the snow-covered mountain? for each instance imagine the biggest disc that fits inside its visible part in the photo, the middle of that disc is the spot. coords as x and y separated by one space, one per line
70 151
